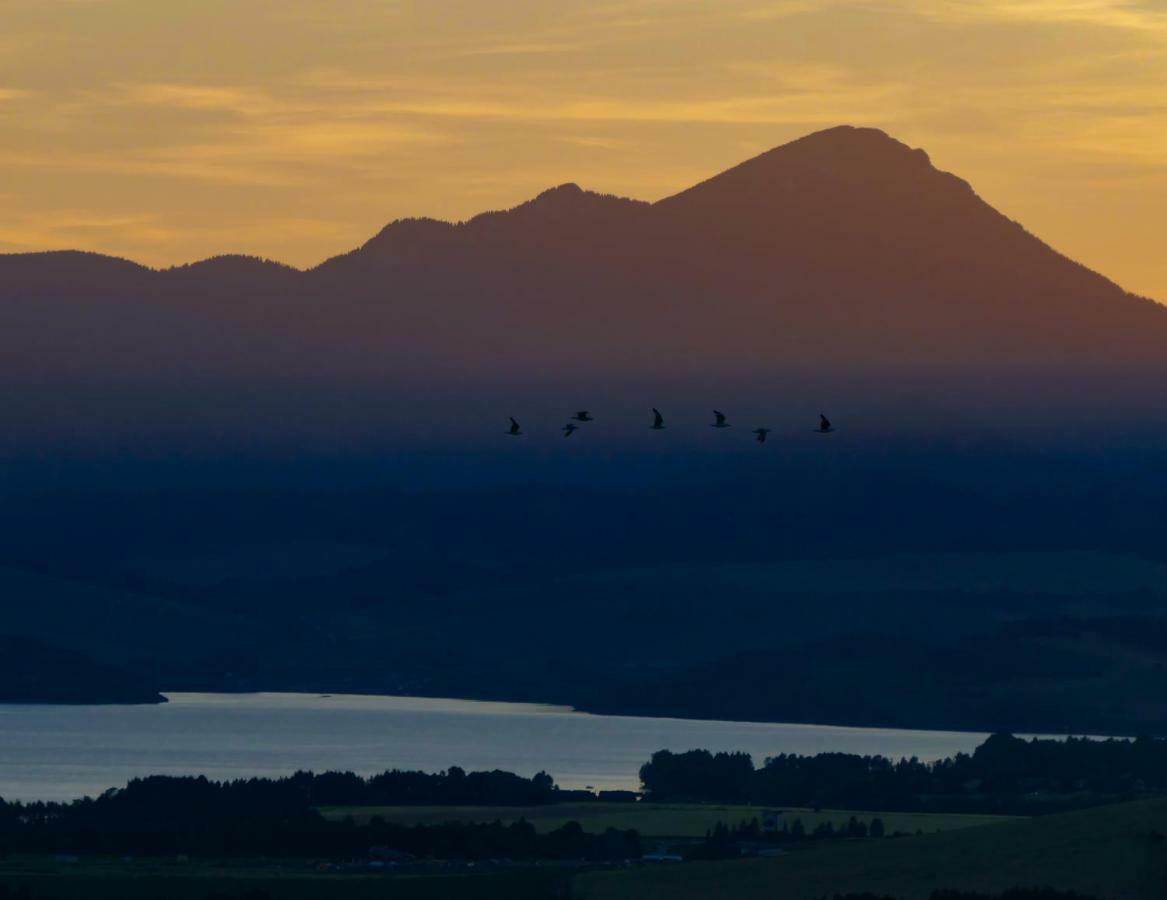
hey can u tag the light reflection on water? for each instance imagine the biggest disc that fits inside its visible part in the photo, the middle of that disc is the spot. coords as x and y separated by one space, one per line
62 752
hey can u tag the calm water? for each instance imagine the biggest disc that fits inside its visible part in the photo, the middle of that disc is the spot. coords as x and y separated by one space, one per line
62 752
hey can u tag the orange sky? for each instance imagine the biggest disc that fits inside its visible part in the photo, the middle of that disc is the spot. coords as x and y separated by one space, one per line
170 130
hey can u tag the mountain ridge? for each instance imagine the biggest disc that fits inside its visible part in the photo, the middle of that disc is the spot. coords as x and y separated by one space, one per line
566 197
844 248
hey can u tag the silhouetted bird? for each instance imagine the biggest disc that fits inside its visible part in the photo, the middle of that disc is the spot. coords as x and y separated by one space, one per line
569 429
514 431
824 425
583 416
761 433
719 420
658 421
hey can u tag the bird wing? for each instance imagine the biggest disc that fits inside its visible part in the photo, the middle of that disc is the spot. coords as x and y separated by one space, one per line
719 416
657 417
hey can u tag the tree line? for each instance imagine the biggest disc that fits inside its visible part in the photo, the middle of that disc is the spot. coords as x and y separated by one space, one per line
396 787
164 815
1003 774
726 842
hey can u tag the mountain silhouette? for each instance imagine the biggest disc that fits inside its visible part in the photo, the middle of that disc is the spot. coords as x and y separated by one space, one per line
843 250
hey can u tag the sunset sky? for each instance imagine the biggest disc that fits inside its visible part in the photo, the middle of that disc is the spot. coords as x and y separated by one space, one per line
171 130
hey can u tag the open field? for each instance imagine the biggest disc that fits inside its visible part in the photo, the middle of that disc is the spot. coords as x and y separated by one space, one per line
1113 851
145 879
1116 852
650 819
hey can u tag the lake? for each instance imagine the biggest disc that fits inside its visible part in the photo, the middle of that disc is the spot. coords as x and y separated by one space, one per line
62 752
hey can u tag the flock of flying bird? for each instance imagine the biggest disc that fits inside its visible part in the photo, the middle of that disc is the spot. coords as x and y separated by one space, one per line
658 424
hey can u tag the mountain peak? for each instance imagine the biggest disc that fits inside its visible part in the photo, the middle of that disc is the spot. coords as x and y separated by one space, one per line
560 192
564 206
230 269
410 231
837 165
230 263
844 140
570 199
848 134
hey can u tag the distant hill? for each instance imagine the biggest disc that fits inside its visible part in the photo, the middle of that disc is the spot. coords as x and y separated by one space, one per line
656 602
1051 676
35 672
228 272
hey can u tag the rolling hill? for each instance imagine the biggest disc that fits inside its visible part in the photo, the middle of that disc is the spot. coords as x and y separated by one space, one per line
32 671
1110 851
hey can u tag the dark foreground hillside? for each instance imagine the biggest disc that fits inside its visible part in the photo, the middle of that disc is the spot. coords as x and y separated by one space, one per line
1114 851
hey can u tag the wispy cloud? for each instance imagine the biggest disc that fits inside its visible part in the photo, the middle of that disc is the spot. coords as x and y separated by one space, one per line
242 101
529 48
598 142
81 230
779 94
228 134
770 12
1138 16
859 103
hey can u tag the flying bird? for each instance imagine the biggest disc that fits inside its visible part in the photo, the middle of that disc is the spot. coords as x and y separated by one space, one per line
824 425
761 433
719 420
583 416
658 421
514 430
569 429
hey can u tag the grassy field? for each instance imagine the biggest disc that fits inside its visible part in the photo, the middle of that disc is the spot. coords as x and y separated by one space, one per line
461 887
653 820
1114 852
145 879
1109 851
